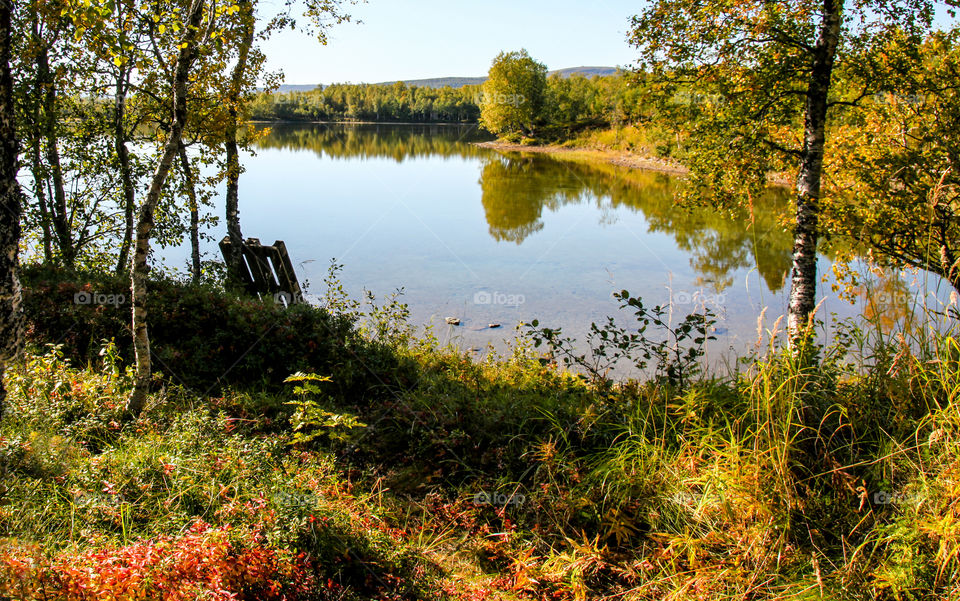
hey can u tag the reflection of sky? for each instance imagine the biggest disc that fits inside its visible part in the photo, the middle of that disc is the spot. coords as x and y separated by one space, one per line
420 224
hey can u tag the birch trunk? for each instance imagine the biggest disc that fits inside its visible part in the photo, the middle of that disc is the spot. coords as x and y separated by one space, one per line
194 213
39 182
59 212
11 321
123 158
36 161
139 268
230 144
803 286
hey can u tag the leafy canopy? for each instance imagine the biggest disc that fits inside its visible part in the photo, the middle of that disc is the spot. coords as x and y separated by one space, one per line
735 75
899 160
514 94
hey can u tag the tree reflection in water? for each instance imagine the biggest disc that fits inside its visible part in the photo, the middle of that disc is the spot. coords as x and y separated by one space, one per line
517 187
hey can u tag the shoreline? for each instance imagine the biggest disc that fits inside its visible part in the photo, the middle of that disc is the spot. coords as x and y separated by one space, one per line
613 157
619 158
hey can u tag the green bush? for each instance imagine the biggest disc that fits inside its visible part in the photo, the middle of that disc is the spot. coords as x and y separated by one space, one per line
206 338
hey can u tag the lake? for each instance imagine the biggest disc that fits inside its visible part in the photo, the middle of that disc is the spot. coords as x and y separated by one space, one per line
489 238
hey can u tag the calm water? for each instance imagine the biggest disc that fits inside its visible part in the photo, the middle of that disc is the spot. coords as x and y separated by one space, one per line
487 238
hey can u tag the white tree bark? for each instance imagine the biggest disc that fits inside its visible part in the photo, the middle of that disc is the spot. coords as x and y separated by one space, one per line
803 285
139 267
230 144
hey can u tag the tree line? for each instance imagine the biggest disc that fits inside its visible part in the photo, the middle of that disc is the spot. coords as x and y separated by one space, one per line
574 99
396 102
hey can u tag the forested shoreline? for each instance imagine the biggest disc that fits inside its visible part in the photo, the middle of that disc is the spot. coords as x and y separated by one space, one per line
574 98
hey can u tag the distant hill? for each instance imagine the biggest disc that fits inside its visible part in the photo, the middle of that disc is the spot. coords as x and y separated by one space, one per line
440 82
586 71
297 87
459 82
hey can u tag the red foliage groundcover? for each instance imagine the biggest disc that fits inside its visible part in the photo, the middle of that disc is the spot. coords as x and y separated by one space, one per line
207 562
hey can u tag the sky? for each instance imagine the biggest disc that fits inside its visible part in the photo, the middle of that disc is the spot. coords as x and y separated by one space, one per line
416 39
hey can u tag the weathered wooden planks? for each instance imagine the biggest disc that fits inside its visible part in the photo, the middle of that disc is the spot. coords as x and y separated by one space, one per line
266 270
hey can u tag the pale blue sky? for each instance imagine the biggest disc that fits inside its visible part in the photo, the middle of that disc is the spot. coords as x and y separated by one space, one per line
413 39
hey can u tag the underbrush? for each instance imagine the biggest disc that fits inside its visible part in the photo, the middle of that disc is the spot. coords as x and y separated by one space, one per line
646 140
191 494
835 475
205 338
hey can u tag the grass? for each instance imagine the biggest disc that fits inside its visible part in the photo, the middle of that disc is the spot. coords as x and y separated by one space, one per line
647 141
508 479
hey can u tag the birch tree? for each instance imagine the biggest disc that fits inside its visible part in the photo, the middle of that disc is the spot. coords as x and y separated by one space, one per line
192 36
765 73
11 324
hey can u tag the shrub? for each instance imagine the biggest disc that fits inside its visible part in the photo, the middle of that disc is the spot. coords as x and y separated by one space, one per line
206 562
205 338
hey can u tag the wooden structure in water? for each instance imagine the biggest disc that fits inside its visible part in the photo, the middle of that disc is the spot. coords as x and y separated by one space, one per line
266 270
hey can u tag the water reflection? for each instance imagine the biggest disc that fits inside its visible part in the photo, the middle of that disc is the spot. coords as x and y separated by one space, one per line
421 207
518 188
366 141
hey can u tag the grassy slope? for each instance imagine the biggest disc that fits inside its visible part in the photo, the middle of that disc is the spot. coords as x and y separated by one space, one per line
763 484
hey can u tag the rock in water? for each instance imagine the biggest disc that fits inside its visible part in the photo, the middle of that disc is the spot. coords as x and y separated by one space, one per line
493 325
453 321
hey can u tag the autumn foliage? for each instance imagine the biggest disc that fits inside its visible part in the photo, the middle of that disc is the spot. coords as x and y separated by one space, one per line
209 562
